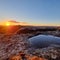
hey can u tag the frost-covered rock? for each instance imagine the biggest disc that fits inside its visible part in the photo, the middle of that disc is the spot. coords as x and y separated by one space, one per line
11 45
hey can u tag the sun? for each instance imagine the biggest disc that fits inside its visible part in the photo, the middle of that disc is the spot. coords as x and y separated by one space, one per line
7 24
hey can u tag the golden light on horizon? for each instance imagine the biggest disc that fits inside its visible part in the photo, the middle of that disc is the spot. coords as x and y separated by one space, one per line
13 22
7 24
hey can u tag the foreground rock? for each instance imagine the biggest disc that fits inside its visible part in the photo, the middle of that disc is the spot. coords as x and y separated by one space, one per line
11 45
16 47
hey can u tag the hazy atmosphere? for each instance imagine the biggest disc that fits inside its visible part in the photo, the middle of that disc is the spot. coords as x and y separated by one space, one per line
34 12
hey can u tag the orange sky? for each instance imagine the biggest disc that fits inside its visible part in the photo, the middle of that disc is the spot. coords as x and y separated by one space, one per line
12 22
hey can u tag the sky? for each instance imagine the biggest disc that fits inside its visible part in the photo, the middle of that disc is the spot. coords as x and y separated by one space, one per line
35 12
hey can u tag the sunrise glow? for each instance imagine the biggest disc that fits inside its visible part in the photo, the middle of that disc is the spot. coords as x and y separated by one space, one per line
7 24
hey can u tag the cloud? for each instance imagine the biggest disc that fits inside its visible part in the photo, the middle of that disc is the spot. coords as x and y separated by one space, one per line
12 21
18 23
